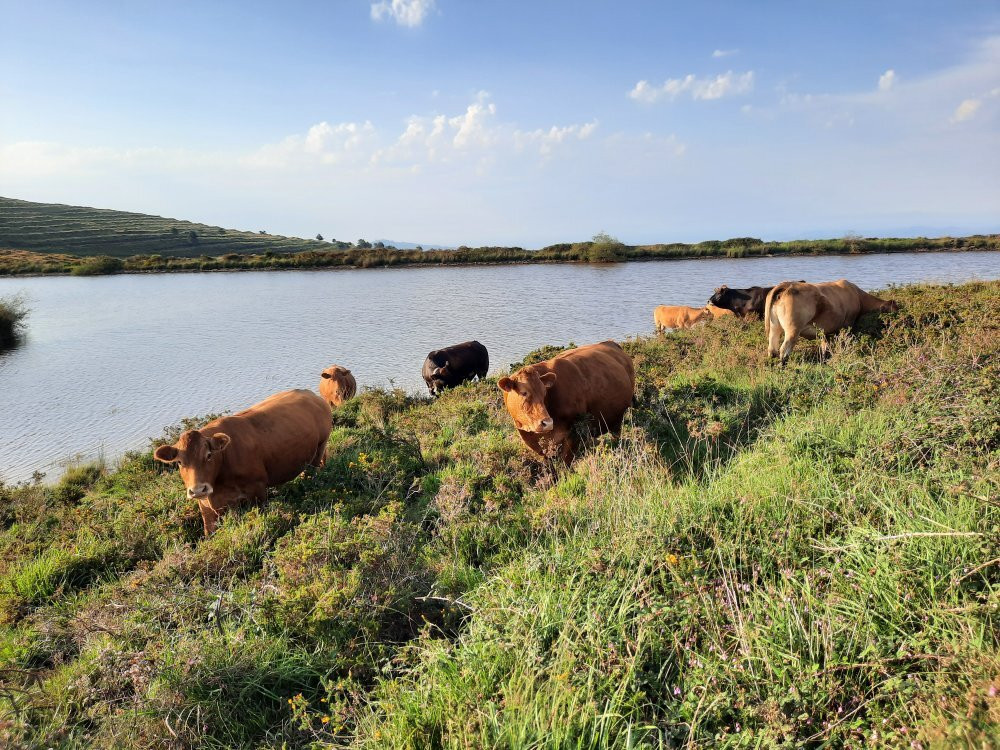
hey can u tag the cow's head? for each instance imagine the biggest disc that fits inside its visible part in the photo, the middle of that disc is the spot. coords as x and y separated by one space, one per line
199 459
889 305
524 395
439 376
720 297
336 373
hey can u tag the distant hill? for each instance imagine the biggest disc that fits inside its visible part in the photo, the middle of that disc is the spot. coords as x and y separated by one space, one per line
57 228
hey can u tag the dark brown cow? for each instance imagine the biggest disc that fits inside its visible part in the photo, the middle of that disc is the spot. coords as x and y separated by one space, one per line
796 309
545 399
744 303
236 458
337 385
453 365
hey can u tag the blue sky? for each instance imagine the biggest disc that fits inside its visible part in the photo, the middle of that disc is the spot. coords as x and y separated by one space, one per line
489 122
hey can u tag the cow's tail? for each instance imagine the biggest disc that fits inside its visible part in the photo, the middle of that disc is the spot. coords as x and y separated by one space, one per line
772 297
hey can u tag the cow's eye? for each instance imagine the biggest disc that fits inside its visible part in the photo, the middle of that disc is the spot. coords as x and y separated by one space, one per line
208 456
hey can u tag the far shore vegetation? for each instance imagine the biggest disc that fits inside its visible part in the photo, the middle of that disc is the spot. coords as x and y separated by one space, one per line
602 249
13 311
44 238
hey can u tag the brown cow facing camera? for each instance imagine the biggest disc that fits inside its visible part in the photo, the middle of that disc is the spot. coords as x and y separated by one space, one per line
337 385
545 399
236 458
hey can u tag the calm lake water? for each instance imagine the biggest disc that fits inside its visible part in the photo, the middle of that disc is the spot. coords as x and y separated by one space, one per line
110 361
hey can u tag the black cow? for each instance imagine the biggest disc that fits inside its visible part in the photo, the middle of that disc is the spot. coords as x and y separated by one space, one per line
448 367
743 302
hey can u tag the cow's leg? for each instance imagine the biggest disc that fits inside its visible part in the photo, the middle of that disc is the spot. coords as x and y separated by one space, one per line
615 425
319 458
561 442
211 508
774 331
791 336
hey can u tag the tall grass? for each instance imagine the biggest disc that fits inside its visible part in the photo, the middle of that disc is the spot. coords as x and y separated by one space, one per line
13 312
766 557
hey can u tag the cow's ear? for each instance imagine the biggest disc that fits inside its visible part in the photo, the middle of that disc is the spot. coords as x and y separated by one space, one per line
325 375
505 384
548 379
167 454
219 441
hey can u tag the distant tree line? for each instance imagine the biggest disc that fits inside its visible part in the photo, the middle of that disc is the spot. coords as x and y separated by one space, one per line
601 248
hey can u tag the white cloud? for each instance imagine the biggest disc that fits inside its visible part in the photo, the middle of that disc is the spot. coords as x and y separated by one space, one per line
547 140
966 110
323 143
724 53
404 12
917 105
726 84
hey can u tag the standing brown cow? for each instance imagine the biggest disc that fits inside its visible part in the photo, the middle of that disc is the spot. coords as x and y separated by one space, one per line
796 309
545 399
678 316
337 385
236 458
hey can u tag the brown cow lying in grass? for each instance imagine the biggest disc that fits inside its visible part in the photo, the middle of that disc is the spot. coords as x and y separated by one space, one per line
236 458
796 309
545 399
337 385
678 316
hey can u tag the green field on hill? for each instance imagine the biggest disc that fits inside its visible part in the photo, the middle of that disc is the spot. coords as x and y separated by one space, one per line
767 557
84 232
42 238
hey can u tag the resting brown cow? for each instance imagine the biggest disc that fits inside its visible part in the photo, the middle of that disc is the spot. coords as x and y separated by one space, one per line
677 316
719 312
796 309
337 385
236 458
545 399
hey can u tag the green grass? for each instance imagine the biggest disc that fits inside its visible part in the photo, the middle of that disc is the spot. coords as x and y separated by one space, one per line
766 557
42 238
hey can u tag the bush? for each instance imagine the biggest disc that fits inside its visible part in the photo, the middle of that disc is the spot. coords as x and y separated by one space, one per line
99 266
604 249
75 482
13 311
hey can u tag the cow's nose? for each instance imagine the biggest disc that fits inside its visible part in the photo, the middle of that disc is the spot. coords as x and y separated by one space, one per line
200 490
545 425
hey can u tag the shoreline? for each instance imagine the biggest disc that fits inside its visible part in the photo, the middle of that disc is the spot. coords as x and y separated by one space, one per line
650 258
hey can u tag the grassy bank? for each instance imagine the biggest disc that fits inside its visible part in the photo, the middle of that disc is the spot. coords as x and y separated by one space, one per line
798 557
13 312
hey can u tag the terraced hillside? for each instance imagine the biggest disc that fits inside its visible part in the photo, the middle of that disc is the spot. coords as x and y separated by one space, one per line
798 557
81 231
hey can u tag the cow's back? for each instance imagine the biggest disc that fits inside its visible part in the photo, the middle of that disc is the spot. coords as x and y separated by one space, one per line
468 356
278 436
598 379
